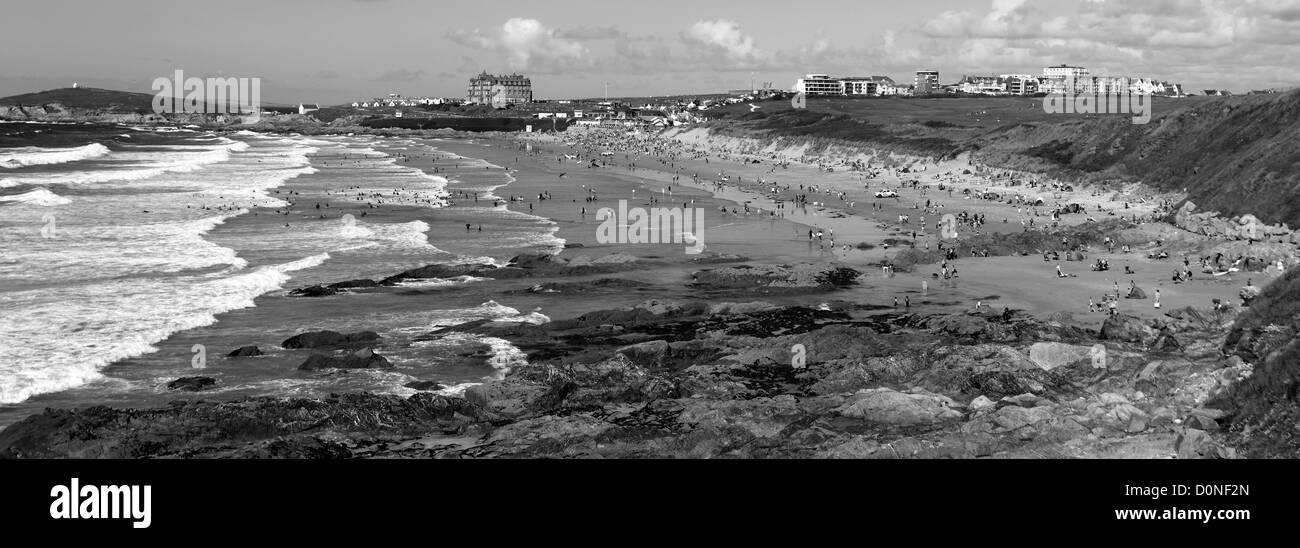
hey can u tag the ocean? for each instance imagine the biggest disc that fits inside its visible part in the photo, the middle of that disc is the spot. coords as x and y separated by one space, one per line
130 256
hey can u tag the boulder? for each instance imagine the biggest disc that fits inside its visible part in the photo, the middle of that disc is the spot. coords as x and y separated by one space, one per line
887 406
441 271
512 398
535 260
981 402
1051 355
1248 294
1127 418
719 258
424 386
361 359
646 353
245 352
1166 342
1023 400
331 340
658 307
192 384
1014 417
314 291
617 258
1122 327
768 278
722 309
1196 444
353 284
974 326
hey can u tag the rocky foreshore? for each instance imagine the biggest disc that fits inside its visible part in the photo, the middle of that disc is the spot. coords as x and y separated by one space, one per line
744 379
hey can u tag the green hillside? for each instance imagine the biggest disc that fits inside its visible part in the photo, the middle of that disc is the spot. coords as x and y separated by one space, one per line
102 100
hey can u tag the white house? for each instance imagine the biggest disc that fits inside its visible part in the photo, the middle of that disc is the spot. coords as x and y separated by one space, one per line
983 85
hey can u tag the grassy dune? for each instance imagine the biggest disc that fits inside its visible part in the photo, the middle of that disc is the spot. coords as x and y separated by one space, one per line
1235 155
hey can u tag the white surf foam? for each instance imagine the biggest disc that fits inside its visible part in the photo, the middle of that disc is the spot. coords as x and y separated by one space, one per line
50 346
505 356
38 197
136 166
434 283
14 158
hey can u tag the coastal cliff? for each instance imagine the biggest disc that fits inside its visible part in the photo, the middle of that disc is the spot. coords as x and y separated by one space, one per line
55 112
1234 155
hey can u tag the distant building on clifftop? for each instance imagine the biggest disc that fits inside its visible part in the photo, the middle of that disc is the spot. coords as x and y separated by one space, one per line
499 91
927 82
823 84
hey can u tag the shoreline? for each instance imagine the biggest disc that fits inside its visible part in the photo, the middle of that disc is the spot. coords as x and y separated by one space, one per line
651 296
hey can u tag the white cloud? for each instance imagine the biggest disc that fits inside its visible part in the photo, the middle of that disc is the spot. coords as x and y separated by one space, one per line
527 44
724 36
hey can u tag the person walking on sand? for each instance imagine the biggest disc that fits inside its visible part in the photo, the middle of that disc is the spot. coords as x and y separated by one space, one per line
1157 303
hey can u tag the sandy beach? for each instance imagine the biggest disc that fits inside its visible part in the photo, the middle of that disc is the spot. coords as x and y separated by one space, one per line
841 204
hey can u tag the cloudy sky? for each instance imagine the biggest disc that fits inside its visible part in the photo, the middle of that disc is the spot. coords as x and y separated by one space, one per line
333 51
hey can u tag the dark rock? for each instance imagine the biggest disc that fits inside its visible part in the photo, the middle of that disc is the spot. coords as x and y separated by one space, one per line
331 340
1248 294
972 326
887 406
513 398
314 291
1196 444
354 284
776 278
245 352
361 359
593 385
192 384
646 353
439 271
719 258
425 386
586 286
1166 342
1256 344
534 260
1122 327
254 427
